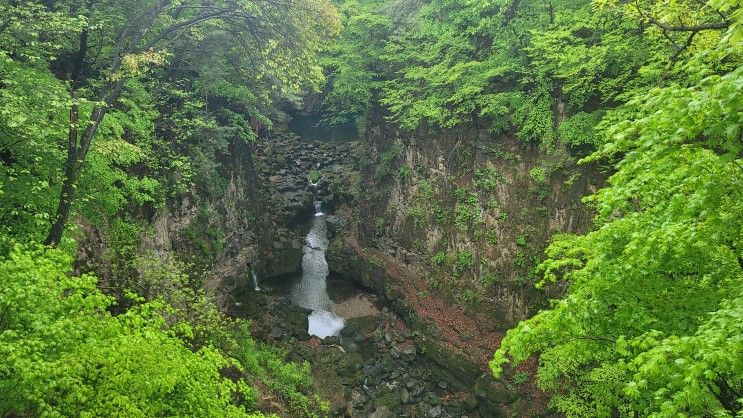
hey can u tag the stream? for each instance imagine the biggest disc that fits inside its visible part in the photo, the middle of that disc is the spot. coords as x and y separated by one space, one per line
363 356
310 291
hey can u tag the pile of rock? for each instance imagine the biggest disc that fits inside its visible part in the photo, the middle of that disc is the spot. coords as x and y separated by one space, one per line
300 172
385 375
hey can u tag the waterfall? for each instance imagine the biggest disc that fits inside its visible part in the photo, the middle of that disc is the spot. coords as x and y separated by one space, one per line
318 208
255 280
310 291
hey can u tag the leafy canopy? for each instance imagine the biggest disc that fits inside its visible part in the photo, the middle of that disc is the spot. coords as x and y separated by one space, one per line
651 324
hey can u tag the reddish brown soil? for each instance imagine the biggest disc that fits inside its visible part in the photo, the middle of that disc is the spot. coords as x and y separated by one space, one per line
451 321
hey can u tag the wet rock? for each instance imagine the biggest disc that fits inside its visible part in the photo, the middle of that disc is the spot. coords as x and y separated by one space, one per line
434 412
407 352
352 363
349 346
332 340
358 398
372 370
455 408
391 400
395 353
388 364
294 320
352 327
405 396
382 412
277 333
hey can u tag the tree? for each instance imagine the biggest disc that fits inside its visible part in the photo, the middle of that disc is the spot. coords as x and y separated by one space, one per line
277 37
651 324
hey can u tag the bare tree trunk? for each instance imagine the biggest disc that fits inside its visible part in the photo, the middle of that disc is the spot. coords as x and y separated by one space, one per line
70 180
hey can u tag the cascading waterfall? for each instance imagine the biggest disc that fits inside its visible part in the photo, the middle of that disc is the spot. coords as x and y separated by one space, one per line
255 280
310 291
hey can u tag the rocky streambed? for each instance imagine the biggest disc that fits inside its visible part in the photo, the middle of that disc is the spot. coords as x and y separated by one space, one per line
364 357
373 368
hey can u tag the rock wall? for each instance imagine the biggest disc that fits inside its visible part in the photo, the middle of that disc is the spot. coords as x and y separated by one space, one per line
472 212
448 228
252 224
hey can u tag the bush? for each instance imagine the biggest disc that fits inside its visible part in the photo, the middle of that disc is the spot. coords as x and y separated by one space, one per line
63 354
463 261
438 259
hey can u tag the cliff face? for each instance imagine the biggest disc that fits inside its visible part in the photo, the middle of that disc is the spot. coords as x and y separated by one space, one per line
472 212
449 228
266 192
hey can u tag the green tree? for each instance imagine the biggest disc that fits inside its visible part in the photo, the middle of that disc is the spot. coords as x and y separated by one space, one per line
63 354
352 62
651 324
118 41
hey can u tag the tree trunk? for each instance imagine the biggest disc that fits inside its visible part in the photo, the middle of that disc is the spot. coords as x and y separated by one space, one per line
72 173
77 148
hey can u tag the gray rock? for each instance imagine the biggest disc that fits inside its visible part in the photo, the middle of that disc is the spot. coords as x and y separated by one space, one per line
332 340
434 412
405 396
277 333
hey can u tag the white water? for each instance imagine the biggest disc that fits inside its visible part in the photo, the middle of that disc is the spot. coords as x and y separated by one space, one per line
310 291
318 208
255 280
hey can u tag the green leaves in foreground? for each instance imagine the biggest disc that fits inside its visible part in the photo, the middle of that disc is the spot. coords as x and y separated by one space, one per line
652 324
63 354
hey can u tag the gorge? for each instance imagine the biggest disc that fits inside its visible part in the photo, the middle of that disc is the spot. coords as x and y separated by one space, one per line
371 208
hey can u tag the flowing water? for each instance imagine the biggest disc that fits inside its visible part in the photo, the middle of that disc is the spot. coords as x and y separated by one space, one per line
318 209
310 291
255 280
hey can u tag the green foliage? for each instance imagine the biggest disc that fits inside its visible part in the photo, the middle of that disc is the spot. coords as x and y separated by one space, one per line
314 176
520 378
386 159
379 224
580 130
538 175
489 278
404 173
463 262
469 298
425 190
205 238
63 354
419 215
651 324
442 215
522 240
351 63
467 214
30 158
439 258
487 180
